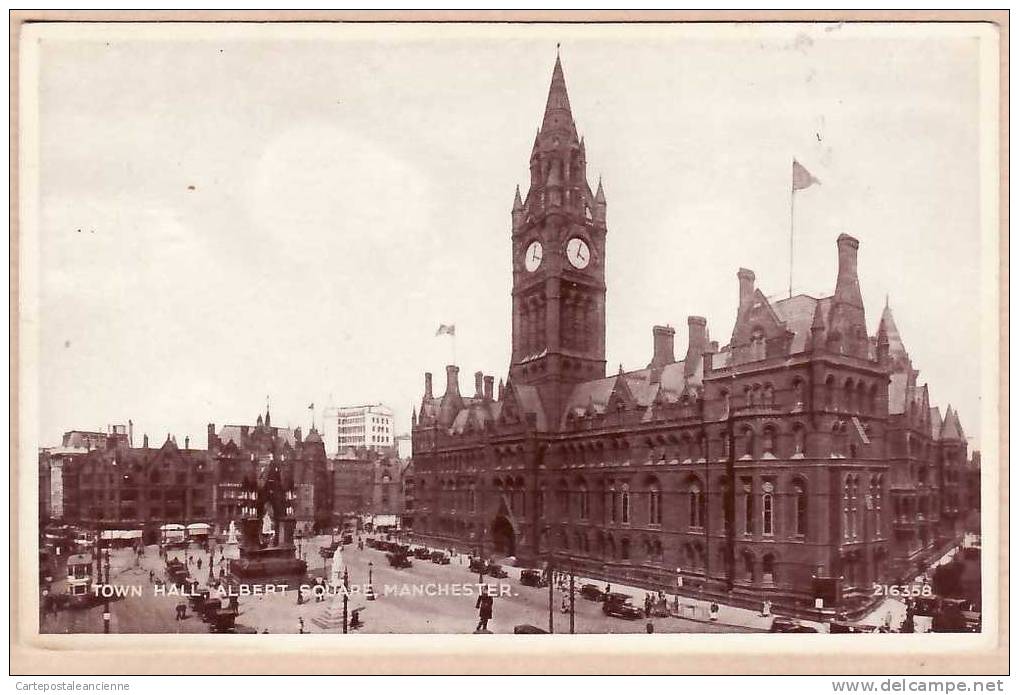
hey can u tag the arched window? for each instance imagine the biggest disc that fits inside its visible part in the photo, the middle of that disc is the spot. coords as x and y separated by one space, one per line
768 569
748 566
799 440
757 344
876 486
829 393
727 506
748 508
613 504
583 501
696 499
862 403
799 391
624 549
748 442
563 497
768 395
768 441
654 503
800 501
540 501
767 511
624 504
849 394
703 446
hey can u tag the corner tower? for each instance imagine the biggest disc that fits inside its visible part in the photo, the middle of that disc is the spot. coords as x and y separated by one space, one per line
558 261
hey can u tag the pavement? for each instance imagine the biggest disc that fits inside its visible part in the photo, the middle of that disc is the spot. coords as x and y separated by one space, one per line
424 598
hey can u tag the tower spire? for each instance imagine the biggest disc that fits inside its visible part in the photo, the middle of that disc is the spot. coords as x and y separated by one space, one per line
557 107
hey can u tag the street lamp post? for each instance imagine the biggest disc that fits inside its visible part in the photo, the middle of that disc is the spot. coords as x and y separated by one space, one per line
370 565
346 591
551 593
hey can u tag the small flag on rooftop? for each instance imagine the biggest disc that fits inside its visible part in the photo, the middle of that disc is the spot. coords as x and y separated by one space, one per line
802 178
446 330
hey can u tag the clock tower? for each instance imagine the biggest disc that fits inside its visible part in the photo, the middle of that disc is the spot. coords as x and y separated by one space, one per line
558 261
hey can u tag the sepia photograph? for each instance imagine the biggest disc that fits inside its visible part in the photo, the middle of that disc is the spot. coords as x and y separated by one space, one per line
509 329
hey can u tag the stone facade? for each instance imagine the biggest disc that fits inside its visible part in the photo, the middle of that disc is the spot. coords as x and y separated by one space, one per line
781 466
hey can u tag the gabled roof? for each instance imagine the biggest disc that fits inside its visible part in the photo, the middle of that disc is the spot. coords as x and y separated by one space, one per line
798 315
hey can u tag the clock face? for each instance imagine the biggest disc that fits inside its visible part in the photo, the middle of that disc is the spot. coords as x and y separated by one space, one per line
578 253
532 257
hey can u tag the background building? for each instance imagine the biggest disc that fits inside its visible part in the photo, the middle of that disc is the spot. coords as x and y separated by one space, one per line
361 426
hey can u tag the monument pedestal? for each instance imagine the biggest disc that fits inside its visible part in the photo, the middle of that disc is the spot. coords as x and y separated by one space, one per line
264 564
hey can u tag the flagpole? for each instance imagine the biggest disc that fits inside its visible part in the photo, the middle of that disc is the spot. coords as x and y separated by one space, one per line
792 210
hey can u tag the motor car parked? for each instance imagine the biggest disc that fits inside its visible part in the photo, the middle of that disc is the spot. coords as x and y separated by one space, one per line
532 578
621 606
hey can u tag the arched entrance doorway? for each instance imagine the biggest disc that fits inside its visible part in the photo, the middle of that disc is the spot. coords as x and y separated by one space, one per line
503 537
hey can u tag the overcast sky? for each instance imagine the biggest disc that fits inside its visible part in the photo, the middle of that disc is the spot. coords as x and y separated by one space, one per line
248 213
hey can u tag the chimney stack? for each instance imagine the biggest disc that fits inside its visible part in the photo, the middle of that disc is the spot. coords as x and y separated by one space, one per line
746 287
452 380
664 346
489 386
697 342
187 442
130 433
478 388
428 385
847 284
145 441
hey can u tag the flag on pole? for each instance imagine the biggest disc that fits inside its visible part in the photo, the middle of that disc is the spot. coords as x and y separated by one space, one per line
446 330
802 178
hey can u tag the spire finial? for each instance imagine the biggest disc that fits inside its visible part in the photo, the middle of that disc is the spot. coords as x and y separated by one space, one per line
886 300
557 49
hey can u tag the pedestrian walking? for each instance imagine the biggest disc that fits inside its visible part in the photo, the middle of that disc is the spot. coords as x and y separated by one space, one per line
484 606
300 626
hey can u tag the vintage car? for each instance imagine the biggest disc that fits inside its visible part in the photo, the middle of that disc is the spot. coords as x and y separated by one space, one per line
789 625
532 578
422 553
528 630
221 619
843 627
496 571
592 592
439 557
621 606
398 559
370 542
347 539
477 565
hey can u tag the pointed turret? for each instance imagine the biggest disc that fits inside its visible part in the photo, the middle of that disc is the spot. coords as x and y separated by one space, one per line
817 329
517 212
268 418
599 202
952 429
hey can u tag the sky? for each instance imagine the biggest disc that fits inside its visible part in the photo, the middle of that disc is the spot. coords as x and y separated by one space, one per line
240 212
